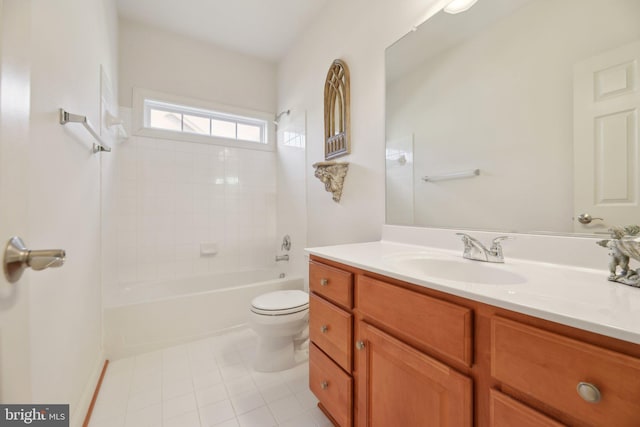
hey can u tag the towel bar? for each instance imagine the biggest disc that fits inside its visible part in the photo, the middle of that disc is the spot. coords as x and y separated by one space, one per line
67 117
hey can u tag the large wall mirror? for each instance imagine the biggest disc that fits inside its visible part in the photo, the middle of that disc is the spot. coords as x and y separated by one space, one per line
516 115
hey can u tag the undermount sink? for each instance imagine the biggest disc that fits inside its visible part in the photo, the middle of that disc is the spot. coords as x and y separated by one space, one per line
458 270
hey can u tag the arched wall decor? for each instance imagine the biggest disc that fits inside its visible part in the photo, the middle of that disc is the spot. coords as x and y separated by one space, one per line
336 111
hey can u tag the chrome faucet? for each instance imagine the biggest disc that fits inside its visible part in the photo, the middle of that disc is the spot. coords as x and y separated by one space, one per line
475 250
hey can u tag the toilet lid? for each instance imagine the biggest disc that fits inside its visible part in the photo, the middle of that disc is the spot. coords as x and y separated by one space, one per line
280 302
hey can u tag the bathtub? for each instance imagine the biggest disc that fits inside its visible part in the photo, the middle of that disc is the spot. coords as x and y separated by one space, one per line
148 316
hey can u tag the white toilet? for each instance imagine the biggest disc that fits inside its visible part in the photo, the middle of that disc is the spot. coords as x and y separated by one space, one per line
281 320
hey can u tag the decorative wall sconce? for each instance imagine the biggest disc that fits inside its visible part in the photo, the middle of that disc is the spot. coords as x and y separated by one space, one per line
332 175
336 111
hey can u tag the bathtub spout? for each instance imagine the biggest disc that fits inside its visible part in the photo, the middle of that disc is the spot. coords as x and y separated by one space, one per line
282 258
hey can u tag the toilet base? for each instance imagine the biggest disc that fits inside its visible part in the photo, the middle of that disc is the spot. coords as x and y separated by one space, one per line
274 354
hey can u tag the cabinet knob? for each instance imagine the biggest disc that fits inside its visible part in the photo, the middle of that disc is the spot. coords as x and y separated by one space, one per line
324 385
589 392
324 329
360 345
324 282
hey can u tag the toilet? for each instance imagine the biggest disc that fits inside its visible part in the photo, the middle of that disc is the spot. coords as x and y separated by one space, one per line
281 320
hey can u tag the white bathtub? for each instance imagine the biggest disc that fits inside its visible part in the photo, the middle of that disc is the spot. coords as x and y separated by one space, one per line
148 316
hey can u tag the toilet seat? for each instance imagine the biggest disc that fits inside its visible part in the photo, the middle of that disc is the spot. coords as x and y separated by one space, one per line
280 303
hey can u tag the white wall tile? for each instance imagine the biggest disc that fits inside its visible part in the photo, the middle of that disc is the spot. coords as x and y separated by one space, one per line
173 196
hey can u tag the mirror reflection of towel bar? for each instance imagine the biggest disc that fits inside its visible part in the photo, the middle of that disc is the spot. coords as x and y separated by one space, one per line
67 117
452 175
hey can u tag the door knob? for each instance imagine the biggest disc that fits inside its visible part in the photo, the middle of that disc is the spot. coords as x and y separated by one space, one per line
585 218
17 258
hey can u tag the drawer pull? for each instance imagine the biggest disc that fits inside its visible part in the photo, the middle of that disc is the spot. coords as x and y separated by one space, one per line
360 345
324 385
324 282
588 392
324 329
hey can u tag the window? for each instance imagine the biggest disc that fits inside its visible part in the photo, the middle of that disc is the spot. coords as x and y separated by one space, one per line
180 118
175 118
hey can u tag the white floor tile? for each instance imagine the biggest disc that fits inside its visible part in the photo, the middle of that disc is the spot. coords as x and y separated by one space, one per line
179 405
247 402
150 416
176 371
143 399
240 385
146 381
229 423
176 388
261 417
205 379
274 391
109 421
215 414
190 419
205 383
301 420
232 372
306 399
285 409
213 394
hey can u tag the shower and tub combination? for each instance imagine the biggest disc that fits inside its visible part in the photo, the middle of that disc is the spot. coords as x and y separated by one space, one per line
149 316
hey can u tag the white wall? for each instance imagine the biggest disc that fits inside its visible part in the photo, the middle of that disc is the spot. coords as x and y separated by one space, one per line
70 39
167 197
167 62
357 31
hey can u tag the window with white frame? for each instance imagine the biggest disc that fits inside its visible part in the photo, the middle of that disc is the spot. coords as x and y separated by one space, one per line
170 117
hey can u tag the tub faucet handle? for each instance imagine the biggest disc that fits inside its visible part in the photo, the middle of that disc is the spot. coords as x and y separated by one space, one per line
286 243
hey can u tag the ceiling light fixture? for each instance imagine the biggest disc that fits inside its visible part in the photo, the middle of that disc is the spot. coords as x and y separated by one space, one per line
457 6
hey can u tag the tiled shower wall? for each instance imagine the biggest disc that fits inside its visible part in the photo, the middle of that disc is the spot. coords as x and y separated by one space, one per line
169 197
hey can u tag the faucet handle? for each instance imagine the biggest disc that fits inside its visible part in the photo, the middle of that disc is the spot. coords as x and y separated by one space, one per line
495 243
500 239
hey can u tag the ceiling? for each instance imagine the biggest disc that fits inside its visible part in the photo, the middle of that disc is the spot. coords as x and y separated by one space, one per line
262 28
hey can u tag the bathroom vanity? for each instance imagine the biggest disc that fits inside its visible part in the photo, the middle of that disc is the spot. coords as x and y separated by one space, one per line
393 344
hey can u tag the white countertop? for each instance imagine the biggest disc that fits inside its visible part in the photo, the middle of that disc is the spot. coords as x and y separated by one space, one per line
575 296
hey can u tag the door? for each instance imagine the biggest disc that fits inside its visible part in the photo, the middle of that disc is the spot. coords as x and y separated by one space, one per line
400 386
15 377
606 157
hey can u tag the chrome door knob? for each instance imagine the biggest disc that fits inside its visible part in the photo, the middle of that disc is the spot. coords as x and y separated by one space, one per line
324 282
360 345
324 329
18 258
324 385
585 218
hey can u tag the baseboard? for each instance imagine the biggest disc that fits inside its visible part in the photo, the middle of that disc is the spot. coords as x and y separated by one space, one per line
78 414
92 405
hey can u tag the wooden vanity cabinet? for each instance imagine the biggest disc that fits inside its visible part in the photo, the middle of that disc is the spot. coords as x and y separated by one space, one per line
331 335
421 357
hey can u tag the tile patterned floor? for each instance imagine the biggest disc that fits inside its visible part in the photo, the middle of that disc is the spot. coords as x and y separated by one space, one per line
205 383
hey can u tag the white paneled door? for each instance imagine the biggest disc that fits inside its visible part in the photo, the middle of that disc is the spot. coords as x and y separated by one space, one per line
15 20
606 131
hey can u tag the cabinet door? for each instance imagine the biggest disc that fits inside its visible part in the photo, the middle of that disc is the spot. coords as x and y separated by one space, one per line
400 386
508 412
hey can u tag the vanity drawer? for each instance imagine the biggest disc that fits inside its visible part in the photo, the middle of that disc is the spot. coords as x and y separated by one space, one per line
330 328
549 367
332 283
508 412
433 323
332 387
